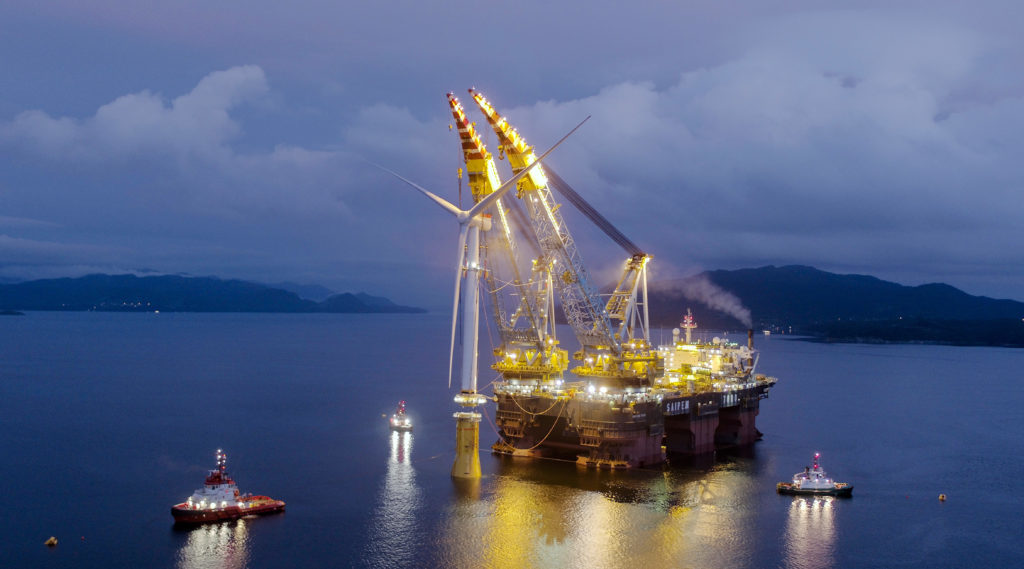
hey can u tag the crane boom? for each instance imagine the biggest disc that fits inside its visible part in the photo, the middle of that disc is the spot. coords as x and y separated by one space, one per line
528 350
582 306
483 180
610 353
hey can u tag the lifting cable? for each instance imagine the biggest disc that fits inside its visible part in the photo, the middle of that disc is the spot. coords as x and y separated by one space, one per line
505 284
553 425
534 414
530 238
496 377
551 430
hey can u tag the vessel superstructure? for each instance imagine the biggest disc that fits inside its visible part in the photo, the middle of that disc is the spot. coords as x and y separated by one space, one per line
710 393
707 398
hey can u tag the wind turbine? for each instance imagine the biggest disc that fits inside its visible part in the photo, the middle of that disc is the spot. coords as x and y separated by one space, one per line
471 223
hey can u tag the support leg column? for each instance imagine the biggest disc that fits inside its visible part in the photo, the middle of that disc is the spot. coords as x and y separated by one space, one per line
467 445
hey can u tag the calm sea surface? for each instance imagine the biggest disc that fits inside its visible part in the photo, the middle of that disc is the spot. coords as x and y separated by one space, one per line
106 420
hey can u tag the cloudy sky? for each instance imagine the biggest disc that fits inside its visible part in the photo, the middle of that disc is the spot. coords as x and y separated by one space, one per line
231 138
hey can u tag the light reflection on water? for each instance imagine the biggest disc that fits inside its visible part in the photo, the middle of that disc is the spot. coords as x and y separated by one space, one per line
220 546
810 536
393 541
529 515
705 516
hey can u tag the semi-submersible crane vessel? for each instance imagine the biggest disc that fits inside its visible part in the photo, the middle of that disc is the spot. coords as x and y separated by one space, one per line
626 403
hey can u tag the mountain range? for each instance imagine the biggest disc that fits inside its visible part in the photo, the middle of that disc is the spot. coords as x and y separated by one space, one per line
792 299
129 293
830 306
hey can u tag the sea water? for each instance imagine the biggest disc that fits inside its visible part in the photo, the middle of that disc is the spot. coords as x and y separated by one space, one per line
108 419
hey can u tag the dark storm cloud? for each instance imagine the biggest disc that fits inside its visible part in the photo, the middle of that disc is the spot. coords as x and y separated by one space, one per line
804 150
873 140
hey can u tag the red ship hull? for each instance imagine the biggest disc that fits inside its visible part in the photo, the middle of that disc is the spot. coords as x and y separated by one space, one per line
185 515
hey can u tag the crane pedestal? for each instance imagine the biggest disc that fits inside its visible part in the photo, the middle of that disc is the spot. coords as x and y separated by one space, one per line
467 444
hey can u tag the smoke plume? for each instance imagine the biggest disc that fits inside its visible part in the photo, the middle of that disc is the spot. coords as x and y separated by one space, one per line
701 289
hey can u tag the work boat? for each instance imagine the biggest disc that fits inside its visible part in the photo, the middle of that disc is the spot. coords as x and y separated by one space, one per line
400 421
813 481
219 499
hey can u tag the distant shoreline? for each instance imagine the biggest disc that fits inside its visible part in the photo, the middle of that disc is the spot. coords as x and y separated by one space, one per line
880 342
129 293
172 311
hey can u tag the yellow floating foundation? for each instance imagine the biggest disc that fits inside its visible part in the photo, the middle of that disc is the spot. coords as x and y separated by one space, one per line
467 444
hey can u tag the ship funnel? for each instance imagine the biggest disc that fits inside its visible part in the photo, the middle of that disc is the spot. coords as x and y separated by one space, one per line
750 346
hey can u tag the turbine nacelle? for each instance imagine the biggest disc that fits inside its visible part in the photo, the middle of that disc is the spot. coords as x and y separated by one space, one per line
482 221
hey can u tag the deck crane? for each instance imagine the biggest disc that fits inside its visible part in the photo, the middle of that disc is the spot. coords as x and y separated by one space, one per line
626 411
529 351
623 305
616 355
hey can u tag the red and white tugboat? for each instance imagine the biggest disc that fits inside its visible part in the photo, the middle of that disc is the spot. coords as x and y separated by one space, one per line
400 421
814 481
219 500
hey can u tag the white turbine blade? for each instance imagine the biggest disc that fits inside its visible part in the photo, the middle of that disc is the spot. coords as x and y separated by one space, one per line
511 183
437 199
463 229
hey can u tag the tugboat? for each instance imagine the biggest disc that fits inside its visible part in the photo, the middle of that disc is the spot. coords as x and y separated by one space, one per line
219 499
400 421
813 481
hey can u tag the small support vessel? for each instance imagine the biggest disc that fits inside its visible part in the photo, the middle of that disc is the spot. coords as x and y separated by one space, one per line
813 481
219 499
400 421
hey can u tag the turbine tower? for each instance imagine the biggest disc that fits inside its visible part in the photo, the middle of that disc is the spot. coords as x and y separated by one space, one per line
468 267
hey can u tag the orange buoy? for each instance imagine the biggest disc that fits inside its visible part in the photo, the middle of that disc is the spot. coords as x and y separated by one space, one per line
942 497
